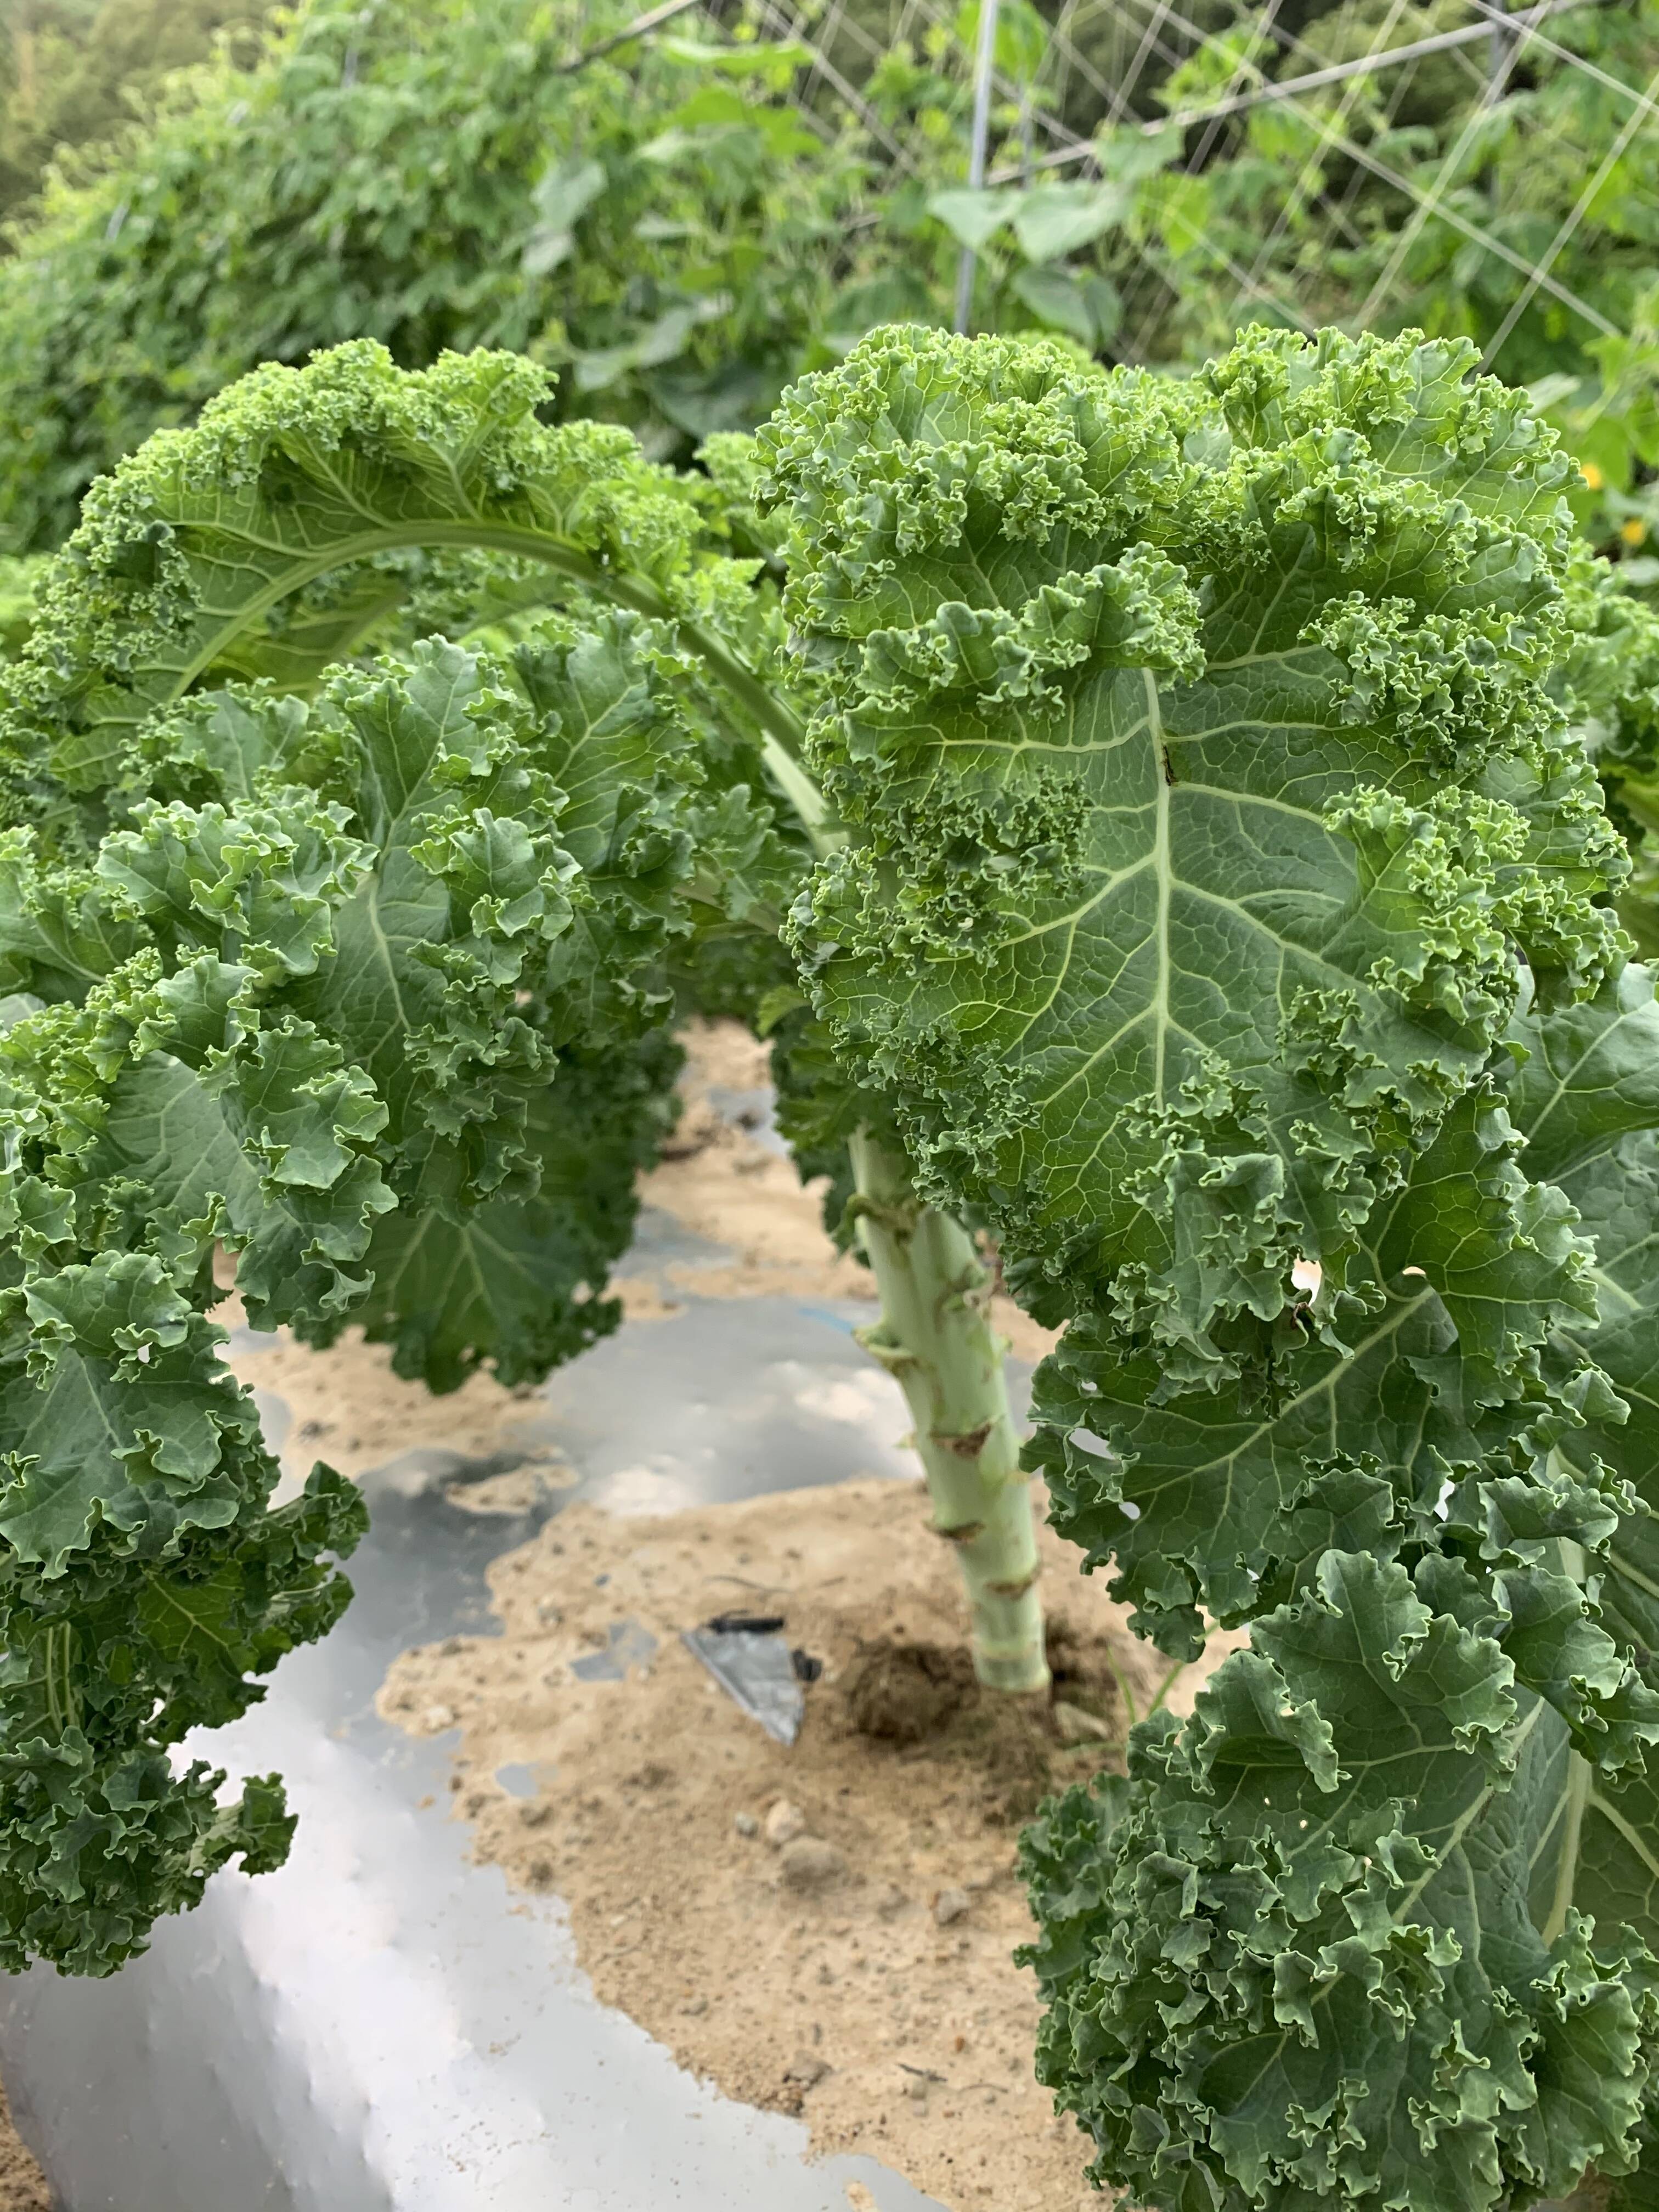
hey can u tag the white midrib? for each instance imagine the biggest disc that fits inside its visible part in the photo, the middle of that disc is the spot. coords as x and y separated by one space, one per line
1566 1873
1461 1826
1161 865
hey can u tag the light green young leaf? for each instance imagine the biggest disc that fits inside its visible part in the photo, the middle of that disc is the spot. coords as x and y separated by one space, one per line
973 214
1051 220
1068 302
564 194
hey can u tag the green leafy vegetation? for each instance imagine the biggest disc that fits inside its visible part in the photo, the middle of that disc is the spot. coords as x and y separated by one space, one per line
1161 817
1228 913
1204 828
365 974
431 177
685 221
76 74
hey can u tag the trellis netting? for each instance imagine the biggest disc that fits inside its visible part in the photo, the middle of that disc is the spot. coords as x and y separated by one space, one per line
1162 171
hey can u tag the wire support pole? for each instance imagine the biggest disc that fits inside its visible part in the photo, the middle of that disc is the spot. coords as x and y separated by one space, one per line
1494 11
1390 175
1540 275
653 20
1511 27
984 61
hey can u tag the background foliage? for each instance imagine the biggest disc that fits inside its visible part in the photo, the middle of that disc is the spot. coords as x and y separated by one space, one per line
692 218
75 74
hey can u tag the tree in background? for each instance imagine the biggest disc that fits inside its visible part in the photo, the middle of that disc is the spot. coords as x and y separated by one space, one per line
75 73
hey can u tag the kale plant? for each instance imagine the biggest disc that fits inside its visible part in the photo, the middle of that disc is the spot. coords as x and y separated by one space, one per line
1158 819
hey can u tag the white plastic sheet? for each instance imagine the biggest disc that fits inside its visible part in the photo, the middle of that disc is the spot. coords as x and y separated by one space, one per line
382 2026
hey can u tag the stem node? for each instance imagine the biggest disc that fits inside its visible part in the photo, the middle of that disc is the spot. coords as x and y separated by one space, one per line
1015 1590
967 1447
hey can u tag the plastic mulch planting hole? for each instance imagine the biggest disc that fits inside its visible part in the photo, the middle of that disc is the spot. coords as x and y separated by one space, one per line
384 2024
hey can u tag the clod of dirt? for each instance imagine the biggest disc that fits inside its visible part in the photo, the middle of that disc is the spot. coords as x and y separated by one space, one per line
906 1693
808 1863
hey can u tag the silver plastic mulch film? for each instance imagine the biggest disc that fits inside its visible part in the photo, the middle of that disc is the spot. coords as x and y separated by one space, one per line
382 2026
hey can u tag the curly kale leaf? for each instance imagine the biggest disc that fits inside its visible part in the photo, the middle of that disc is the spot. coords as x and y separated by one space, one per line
108 1664
302 513
1227 915
1526 1524
520 1282
1201 806
293 473
307 998
1304 1962
1609 685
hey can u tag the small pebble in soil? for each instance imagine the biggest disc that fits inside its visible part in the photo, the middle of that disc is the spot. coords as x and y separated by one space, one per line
695 2008
745 1824
784 1822
950 1904
891 1899
807 1863
806 2068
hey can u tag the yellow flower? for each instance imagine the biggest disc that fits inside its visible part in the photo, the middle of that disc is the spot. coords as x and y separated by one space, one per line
1634 532
1592 476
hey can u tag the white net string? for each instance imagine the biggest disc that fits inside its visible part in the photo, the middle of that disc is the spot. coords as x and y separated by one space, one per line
1349 83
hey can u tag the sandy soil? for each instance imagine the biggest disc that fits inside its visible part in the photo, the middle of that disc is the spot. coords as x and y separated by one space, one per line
23 2185
858 1972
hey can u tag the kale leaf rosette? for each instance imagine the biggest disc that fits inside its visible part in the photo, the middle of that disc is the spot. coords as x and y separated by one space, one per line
1228 917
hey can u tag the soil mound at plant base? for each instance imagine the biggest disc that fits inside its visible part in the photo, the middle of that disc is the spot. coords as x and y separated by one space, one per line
826 1930
905 1693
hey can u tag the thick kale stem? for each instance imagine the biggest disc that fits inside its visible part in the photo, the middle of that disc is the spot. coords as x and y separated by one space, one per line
935 1337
